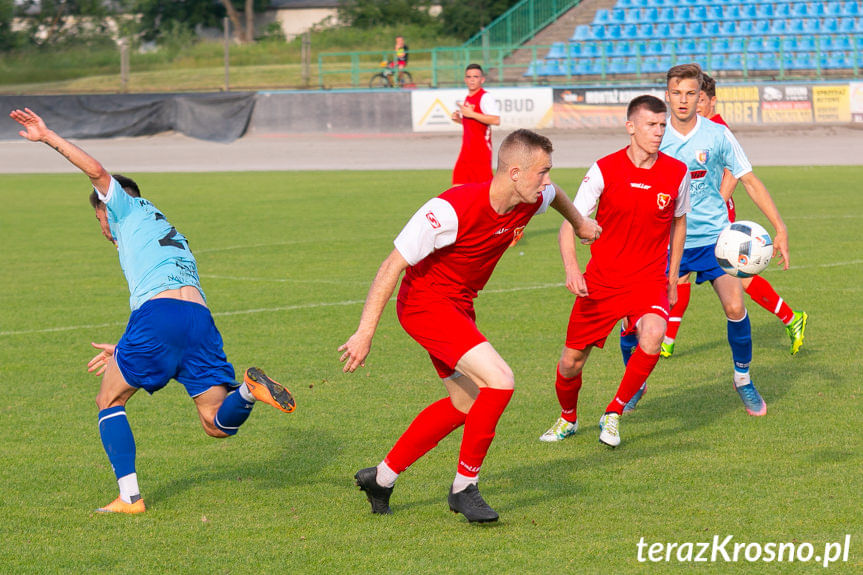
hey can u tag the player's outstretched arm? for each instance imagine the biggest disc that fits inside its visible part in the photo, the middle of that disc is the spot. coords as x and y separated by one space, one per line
574 278
357 348
761 198
100 362
35 130
586 228
677 243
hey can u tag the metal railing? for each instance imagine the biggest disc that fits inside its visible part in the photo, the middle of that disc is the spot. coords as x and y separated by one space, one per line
520 23
444 67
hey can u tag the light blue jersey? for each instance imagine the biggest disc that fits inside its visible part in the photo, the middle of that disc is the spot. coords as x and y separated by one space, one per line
154 256
707 150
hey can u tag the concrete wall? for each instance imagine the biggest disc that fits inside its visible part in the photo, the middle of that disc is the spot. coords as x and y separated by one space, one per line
332 112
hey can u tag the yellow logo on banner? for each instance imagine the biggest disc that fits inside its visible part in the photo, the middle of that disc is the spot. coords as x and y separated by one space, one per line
436 115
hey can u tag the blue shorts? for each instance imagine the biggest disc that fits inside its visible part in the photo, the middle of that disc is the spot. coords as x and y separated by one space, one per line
701 260
173 339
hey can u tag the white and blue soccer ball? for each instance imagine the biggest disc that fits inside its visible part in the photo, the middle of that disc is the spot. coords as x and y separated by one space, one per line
744 249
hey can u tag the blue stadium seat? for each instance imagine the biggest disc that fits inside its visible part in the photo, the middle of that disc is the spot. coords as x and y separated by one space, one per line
782 10
778 26
728 62
829 25
557 50
834 60
859 27
663 30
574 49
833 9
747 27
613 31
646 31
653 48
682 14
749 11
755 45
591 50
531 68
816 9
665 15
699 12
847 24
701 45
627 3
727 28
843 42
582 32
850 9
737 43
805 43
631 16
695 29
795 26
601 17
622 48
715 12
773 44
597 31
803 61
762 61
720 46
811 25
789 44
732 12
711 28
618 15
800 10
764 10
629 31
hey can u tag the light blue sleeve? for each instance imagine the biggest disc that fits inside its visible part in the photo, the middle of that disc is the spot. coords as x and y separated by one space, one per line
733 155
118 202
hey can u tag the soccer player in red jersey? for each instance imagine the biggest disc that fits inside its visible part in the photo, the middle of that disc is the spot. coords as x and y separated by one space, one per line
643 198
449 249
476 114
758 288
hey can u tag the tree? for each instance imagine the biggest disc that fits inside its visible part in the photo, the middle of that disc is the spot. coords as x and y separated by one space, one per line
57 21
159 16
372 13
464 18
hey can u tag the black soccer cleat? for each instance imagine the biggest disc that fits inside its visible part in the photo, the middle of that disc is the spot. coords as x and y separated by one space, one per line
378 496
471 504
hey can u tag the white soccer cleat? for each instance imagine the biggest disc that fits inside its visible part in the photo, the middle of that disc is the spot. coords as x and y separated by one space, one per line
609 429
560 430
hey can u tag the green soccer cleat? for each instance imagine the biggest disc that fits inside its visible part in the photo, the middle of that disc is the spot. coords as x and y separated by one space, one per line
666 349
795 330
560 430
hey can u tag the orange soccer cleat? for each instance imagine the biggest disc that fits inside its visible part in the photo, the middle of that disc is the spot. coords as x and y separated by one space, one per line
120 506
266 390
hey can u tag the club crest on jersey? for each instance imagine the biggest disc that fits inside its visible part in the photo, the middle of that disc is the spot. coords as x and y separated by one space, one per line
432 220
701 156
517 234
662 200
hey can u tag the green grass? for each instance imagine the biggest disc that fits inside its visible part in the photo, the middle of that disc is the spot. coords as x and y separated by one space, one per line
279 497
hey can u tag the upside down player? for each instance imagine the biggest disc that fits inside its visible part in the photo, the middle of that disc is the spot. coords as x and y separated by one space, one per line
708 149
643 198
476 114
449 248
758 288
171 333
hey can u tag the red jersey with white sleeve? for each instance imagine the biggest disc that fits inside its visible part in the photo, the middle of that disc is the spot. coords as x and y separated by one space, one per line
455 240
636 209
474 159
729 203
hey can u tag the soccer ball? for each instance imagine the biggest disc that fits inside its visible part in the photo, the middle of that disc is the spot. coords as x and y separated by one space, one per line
744 249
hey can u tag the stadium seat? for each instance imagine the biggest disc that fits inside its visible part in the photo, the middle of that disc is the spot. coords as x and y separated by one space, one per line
531 68
557 50
645 31
747 27
850 9
732 12
601 17
806 43
829 26
811 25
795 26
764 10
843 42
782 10
749 11
755 44
591 50
695 29
582 32
847 25
631 16
677 30
803 61
574 49
727 28
720 46
699 12
622 48
800 10
654 48
665 15
778 26
816 9
833 9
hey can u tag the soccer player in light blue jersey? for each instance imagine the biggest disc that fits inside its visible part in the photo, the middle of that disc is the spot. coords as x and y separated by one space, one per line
170 334
708 149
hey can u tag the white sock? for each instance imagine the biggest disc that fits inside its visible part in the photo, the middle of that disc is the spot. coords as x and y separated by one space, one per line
667 340
247 395
129 488
461 482
741 379
386 477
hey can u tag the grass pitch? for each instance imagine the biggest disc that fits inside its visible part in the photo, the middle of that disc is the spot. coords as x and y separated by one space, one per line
286 260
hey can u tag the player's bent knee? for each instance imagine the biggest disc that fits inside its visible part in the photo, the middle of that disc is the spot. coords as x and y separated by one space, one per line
213 431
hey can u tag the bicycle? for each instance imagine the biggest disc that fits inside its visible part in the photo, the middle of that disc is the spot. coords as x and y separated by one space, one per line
384 78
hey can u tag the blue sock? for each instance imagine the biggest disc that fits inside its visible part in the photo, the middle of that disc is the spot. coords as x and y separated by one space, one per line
117 440
740 339
233 412
628 343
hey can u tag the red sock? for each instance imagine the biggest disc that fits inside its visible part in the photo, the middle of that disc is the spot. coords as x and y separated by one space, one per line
431 425
637 371
479 428
677 311
764 295
567 389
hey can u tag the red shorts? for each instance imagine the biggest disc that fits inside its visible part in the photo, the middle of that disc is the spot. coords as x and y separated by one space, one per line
445 330
593 317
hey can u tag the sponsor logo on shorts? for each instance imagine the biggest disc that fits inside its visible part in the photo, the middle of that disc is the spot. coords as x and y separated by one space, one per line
433 220
662 200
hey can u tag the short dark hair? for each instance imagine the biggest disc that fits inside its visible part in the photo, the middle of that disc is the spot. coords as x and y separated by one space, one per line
648 102
128 184
521 145
684 72
474 67
708 86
